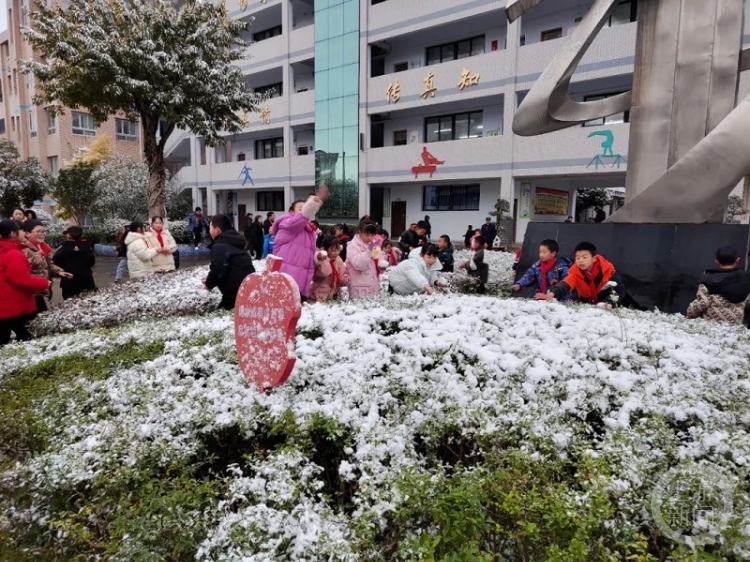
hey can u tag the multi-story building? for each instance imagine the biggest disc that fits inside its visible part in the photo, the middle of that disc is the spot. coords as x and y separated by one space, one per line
404 108
54 141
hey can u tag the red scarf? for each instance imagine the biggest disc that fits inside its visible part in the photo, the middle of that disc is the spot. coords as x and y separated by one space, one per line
334 275
590 278
42 247
159 238
545 268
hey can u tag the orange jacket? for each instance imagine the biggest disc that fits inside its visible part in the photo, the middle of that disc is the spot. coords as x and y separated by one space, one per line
587 287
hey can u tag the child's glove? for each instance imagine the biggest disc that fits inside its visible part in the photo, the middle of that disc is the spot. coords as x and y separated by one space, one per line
383 263
375 252
321 256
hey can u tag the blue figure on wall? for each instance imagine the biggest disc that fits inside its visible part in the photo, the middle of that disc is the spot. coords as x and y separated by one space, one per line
245 174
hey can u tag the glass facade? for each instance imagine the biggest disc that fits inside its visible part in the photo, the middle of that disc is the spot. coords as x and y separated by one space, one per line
337 104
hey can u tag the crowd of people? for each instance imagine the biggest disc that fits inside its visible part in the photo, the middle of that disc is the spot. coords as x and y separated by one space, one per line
323 265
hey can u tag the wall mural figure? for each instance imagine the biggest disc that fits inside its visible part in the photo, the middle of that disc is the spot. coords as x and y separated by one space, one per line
689 145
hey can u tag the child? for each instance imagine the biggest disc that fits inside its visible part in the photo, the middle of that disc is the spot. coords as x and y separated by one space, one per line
330 272
590 278
722 292
77 257
230 262
362 263
140 252
476 267
122 254
342 233
445 253
294 240
548 271
415 274
388 252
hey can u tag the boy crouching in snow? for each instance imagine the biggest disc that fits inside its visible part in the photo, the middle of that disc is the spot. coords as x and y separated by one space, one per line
547 272
593 279
722 293
476 267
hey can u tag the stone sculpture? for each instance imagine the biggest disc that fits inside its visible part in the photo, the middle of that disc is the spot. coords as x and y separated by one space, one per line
689 141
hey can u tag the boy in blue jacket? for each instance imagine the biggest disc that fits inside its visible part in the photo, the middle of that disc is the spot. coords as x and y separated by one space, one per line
548 271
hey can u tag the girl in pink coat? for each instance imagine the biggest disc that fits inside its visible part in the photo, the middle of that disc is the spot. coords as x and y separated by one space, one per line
294 240
362 255
330 272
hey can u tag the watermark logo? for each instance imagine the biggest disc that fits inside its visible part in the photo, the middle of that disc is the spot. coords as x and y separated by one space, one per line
692 504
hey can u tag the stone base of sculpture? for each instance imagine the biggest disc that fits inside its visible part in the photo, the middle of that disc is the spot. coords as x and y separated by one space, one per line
660 263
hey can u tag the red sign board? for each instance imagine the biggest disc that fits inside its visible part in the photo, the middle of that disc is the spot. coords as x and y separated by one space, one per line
266 312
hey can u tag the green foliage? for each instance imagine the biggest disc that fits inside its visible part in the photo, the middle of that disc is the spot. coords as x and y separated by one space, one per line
502 208
76 192
153 61
21 182
589 198
735 208
26 392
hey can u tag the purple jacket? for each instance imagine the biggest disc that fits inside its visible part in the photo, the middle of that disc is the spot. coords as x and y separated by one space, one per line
294 241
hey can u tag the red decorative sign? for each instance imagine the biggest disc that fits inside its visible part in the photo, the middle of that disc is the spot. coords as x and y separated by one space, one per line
429 165
266 312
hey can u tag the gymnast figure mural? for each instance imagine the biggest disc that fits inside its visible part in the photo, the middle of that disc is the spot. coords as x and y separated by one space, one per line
689 141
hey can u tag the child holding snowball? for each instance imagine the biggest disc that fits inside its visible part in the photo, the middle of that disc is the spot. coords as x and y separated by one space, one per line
330 272
362 260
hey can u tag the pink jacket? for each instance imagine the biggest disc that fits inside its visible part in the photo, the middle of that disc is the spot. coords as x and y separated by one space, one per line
294 241
363 273
323 287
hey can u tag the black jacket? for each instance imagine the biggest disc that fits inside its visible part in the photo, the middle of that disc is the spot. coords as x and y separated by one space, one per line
732 284
267 226
408 241
230 264
446 258
76 257
489 231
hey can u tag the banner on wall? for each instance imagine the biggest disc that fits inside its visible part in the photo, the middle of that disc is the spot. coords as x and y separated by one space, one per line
524 201
551 202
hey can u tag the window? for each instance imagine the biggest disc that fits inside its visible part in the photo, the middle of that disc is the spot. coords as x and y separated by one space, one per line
400 66
450 198
456 50
54 167
270 201
267 34
616 118
32 123
1 90
269 148
453 127
303 151
2 126
626 12
51 122
399 138
83 124
126 130
241 157
272 90
551 34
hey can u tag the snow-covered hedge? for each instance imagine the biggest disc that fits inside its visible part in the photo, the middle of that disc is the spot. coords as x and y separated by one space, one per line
453 427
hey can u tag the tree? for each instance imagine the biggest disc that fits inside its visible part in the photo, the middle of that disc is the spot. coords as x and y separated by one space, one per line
76 192
153 60
21 182
735 209
122 183
588 198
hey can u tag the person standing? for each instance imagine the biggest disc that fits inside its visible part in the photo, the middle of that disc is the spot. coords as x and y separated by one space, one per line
18 286
428 231
468 236
256 238
77 257
230 262
162 240
268 223
196 223
489 231
140 252
39 255
600 215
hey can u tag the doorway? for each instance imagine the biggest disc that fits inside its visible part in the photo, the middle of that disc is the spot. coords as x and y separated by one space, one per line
398 218
241 216
376 204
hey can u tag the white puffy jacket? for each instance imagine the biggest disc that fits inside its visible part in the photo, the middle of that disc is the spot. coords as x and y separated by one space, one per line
162 262
140 254
411 276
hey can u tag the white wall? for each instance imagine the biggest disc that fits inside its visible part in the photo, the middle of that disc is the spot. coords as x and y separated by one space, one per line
565 17
452 223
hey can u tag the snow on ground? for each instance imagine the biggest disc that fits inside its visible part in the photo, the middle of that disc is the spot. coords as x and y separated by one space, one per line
655 390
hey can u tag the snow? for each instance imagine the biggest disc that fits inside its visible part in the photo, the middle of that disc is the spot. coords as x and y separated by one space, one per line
387 370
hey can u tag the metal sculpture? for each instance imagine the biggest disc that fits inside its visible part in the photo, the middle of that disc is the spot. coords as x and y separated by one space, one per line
689 145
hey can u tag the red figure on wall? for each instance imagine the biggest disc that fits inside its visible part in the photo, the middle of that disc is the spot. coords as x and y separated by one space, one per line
430 164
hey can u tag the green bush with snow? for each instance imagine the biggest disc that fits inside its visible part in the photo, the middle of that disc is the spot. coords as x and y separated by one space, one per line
419 428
